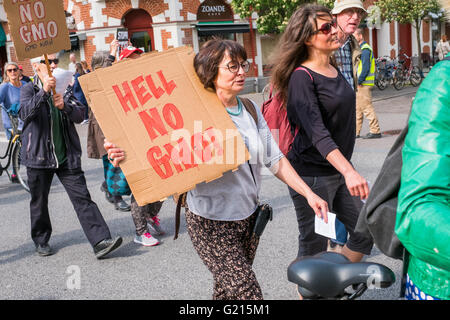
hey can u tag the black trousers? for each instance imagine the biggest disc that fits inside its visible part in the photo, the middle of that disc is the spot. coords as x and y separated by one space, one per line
334 191
74 182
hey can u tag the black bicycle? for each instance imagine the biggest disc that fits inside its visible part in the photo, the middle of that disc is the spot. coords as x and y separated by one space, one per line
384 72
12 154
330 275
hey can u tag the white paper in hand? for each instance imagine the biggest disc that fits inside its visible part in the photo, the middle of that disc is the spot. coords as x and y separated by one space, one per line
326 229
63 79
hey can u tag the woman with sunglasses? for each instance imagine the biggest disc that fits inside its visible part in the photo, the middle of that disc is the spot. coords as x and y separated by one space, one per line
10 99
220 214
321 104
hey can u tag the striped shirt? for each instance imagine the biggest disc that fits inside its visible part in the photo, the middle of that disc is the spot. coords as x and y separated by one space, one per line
344 61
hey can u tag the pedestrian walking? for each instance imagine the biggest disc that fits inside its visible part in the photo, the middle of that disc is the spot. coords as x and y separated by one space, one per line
85 66
72 62
22 76
78 92
10 100
51 146
145 218
442 48
221 214
366 81
10 96
348 14
321 104
95 137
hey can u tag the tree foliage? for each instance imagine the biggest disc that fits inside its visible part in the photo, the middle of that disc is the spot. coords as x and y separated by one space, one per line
273 15
407 11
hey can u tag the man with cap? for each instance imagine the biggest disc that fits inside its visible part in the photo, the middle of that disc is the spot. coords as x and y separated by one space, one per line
130 53
23 77
348 14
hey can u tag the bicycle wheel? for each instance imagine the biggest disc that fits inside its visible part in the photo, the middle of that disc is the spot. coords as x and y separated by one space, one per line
399 82
415 77
20 171
266 92
381 82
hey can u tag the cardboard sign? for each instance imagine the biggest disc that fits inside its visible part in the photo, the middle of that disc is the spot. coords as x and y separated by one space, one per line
175 133
37 27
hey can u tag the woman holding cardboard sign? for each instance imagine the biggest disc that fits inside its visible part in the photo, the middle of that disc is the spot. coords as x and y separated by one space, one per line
221 215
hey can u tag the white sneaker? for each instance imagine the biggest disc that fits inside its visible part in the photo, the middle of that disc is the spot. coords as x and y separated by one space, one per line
155 226
146 240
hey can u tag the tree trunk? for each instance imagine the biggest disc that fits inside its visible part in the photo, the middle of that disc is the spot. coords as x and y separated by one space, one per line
419 43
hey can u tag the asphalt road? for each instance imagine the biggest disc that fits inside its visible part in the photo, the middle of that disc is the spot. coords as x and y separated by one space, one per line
171 270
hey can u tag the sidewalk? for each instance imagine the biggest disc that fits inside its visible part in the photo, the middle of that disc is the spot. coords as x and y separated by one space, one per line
377 94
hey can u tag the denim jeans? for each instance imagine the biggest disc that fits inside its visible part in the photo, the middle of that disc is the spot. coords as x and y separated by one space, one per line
341 233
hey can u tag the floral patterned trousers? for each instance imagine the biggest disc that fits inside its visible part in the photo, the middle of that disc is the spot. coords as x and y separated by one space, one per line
228 249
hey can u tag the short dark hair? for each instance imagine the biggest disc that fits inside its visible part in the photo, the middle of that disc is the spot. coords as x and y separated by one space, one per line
207 60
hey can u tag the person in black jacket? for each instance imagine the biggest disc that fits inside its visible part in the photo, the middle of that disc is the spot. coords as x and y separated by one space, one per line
50 145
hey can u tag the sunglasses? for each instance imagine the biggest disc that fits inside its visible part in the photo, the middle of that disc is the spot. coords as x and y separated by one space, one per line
234 66
327 27
50 61
12 70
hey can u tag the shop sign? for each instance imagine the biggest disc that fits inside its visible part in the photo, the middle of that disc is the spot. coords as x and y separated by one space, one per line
214 10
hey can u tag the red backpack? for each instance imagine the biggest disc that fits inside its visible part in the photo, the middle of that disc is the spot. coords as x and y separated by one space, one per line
276 118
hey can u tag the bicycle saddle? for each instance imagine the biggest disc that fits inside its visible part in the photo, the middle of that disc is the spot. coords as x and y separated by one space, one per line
328 274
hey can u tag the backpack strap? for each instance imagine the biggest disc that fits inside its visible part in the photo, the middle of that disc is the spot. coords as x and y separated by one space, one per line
306 70
181 202
250 107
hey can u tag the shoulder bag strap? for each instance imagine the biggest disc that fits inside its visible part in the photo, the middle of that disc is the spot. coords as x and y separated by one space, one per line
180 202
250 107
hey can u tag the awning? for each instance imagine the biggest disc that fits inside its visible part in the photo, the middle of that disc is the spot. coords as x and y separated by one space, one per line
75 37
2 36
205 29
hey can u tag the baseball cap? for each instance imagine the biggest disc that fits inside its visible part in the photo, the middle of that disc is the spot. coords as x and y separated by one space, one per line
341 5
125 53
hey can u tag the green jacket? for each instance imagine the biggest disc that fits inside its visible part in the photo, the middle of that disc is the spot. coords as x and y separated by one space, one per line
423 212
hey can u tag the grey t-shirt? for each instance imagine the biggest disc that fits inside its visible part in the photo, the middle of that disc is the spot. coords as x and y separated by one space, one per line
234 196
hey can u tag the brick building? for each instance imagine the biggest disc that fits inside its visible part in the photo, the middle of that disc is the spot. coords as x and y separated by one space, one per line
151 25
162 24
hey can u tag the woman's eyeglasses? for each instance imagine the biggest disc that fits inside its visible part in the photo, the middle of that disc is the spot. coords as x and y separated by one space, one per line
234 66
50 61
12 70
327 27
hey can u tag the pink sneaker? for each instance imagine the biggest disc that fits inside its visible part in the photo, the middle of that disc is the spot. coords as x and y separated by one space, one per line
146 240
155 226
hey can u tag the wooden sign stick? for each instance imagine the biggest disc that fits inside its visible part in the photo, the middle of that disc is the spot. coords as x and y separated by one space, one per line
49 70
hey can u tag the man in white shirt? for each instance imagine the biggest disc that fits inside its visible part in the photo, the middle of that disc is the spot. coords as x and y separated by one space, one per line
73 62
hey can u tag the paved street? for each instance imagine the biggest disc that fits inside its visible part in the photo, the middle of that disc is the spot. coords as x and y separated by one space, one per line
171 270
